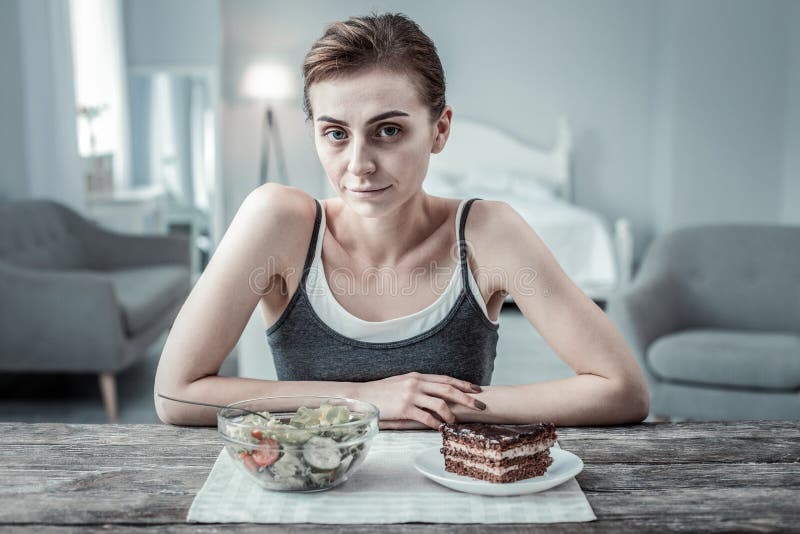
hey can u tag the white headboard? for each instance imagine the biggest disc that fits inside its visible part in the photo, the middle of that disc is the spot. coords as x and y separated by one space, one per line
474 144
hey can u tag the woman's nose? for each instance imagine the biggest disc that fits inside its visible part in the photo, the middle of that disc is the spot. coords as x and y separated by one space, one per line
360 159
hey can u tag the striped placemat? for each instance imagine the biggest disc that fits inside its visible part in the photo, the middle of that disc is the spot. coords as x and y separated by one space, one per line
385 489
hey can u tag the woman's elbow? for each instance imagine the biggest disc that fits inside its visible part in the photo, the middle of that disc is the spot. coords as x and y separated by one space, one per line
638 401
167 412
633 401
640 407
172 384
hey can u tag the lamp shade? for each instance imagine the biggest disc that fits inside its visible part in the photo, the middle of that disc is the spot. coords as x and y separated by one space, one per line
268 81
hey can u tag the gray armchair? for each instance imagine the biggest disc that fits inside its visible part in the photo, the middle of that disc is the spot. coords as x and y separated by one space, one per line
77 298
713 316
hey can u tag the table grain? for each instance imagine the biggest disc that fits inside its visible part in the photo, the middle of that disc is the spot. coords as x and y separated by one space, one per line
654 476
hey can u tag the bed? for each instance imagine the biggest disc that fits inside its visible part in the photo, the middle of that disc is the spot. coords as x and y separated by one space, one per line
482 161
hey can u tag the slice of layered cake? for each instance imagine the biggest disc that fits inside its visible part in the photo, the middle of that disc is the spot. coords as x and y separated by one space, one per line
497 453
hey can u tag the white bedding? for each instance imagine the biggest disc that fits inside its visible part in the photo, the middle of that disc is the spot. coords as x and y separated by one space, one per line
578 238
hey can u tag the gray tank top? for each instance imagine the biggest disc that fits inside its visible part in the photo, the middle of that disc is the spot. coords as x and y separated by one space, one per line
462 345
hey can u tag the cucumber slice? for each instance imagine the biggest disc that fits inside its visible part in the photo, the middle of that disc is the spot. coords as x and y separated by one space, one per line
297 436
322 453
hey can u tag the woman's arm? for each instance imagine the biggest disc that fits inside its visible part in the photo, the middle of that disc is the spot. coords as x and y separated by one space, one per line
609 387
274 223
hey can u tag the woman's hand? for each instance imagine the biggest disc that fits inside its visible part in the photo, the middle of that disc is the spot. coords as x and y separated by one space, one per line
418 397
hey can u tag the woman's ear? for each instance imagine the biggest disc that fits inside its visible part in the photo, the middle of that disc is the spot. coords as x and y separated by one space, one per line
442 130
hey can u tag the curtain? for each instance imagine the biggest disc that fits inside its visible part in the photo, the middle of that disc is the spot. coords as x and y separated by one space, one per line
101 80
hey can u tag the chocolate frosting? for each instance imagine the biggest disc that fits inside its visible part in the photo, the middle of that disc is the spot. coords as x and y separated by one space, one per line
496 433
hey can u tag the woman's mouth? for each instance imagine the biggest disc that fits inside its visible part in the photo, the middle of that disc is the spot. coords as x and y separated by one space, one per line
369 193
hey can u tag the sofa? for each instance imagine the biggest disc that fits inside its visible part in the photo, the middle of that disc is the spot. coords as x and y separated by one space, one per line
76 298
713 316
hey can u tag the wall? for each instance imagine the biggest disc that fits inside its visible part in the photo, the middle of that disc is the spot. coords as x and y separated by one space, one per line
718 112
140 98
173 32
790 210
13 171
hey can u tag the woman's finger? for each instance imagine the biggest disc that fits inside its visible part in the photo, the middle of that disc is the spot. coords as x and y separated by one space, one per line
424 417
437 407
448 392
455 382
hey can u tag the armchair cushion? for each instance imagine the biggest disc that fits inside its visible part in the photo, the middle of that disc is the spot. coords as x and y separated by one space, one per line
144 293
730 358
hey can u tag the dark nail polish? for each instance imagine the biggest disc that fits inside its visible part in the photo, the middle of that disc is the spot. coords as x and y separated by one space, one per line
476 388
480 405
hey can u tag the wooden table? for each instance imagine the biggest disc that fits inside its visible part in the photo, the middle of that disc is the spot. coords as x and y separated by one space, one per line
666 476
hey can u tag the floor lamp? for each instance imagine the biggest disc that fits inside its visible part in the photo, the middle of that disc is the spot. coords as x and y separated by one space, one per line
269 82
271 136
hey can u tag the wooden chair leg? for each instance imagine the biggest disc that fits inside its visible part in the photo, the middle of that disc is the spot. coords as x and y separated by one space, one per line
108 390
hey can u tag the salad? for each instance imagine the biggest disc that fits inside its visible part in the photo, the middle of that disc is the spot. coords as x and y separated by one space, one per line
306 451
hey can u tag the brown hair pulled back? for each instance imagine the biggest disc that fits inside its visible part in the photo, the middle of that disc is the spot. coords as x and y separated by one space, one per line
390 41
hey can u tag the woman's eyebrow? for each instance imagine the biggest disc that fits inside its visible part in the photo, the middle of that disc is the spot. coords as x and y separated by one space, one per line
376 118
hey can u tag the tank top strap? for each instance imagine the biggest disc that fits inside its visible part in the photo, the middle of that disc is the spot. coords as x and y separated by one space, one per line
462 242
312 246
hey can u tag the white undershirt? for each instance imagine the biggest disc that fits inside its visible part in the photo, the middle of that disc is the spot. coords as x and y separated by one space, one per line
340 320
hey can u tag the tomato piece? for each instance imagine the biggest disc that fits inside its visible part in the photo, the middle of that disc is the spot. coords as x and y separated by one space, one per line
267 455
249 462
257 434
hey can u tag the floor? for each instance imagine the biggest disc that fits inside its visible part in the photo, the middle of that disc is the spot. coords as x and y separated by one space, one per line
522 357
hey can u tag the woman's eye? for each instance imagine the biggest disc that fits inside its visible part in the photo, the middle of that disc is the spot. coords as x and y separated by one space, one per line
391 131
335 137
339 135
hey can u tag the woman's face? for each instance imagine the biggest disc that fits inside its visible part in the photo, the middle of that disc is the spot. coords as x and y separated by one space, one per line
373 133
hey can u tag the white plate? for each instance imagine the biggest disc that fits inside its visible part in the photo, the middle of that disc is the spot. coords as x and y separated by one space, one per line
566 465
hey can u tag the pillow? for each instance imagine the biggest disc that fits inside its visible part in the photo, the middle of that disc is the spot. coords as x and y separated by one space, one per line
488 183
508 183
486 179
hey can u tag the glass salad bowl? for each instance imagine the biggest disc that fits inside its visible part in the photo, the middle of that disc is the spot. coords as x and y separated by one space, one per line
298 443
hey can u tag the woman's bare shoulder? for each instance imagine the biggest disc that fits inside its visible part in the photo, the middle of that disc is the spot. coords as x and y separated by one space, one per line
281 202
493 228
505 242
280 215
484 216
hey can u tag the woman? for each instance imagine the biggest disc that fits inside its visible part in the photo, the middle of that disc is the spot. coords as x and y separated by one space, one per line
375 94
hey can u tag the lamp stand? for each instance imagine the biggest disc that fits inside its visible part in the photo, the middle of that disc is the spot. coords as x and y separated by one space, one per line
269 130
